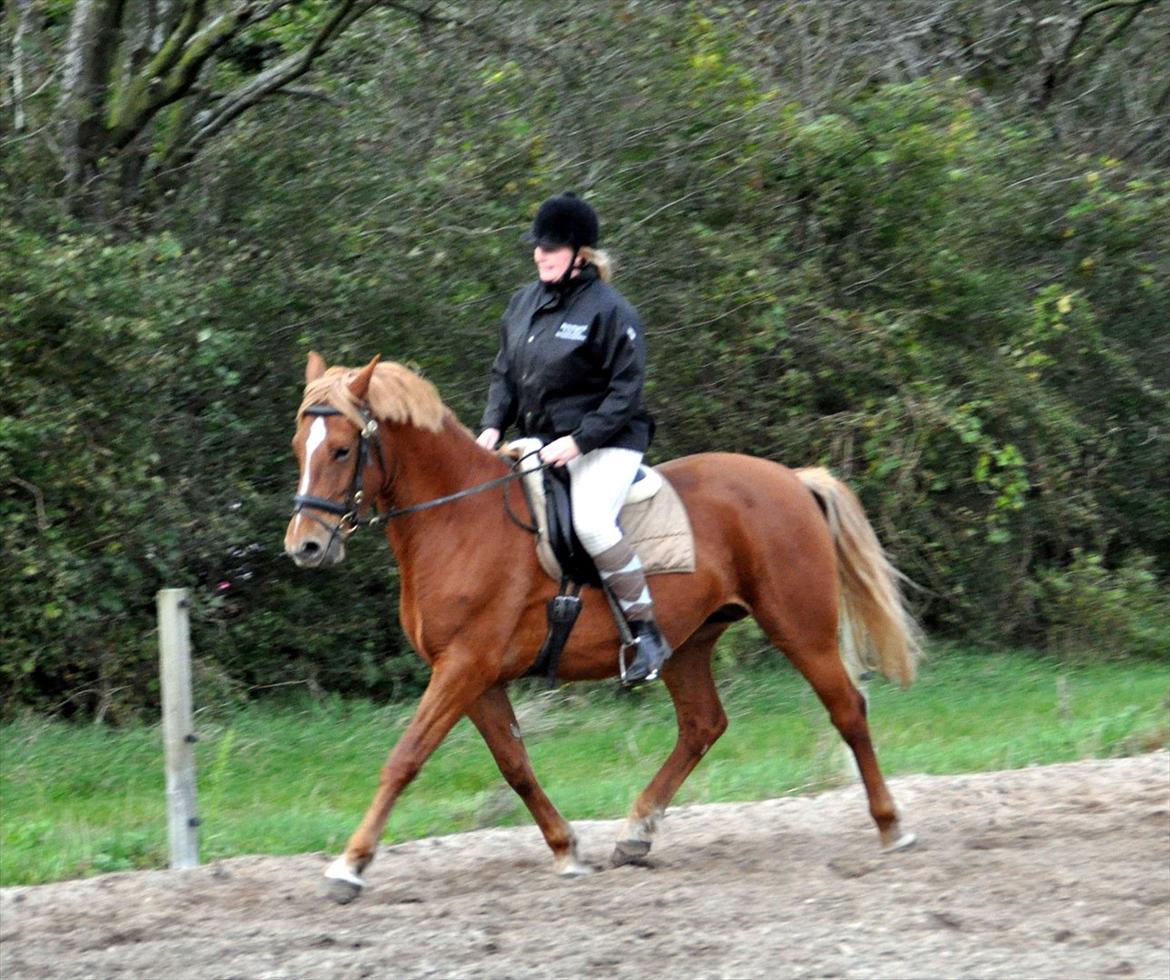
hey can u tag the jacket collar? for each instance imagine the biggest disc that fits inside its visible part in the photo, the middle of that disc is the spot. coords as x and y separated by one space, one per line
553 295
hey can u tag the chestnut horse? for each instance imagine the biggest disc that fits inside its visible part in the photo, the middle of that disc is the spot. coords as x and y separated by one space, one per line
793 549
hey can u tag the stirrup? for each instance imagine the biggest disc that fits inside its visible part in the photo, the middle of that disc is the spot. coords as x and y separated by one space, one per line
622 648
647 642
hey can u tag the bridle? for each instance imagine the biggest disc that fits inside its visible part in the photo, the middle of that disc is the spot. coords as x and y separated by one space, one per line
349 510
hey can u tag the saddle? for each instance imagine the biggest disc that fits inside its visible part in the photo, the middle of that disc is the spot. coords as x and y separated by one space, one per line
653 520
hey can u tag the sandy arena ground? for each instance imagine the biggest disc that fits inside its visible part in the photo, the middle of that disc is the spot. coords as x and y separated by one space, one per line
1061 871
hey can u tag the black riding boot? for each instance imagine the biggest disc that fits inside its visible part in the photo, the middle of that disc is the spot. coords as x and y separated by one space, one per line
651 651
622 571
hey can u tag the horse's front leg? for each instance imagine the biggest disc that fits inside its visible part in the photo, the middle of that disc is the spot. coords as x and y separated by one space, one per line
454 686
496 721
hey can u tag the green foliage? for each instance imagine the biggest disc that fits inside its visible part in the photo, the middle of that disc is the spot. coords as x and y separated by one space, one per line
1094 611
962 316
143 444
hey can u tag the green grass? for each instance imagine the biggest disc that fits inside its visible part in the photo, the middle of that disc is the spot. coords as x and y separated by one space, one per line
286 779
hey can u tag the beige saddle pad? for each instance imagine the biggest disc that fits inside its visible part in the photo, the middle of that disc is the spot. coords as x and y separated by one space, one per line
653 519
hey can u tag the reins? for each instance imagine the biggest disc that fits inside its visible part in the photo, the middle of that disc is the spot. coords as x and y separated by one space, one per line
349 511
508 478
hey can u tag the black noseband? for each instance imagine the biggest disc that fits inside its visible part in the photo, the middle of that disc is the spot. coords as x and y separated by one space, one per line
347 510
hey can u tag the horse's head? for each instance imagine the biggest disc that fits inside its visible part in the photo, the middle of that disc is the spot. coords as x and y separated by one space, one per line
340 463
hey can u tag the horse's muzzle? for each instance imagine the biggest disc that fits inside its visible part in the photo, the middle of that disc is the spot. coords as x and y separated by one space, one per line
312 547
312 555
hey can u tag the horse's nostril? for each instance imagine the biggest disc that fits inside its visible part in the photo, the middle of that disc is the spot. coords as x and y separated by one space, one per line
310 548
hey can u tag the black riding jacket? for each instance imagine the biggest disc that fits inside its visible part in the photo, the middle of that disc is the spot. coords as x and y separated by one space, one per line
571 362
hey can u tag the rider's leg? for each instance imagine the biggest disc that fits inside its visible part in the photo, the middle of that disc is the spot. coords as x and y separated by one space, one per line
599 483
622 571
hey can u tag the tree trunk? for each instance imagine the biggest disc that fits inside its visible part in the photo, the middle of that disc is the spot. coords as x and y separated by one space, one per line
18 21
95 34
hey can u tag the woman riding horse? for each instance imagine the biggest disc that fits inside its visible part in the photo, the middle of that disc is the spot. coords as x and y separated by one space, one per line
793 549
569 371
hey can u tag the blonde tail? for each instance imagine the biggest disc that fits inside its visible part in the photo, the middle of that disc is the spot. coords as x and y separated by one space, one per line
877 630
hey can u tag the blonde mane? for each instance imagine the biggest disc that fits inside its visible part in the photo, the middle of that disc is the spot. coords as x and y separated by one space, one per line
396 394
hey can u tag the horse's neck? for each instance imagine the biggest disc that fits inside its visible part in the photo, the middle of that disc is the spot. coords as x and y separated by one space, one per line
425 466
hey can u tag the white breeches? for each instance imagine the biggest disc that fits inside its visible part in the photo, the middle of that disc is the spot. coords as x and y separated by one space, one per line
598 484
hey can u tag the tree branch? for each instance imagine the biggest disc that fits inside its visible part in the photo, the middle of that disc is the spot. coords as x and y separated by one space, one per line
1059 69
1088 59
171 49
21 14
170 75
1092 12
1155 125
38 500
277 77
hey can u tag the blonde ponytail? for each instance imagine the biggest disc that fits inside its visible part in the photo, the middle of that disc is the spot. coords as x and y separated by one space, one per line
600 258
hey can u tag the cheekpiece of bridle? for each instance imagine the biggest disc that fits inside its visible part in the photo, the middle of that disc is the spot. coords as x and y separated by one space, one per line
349 510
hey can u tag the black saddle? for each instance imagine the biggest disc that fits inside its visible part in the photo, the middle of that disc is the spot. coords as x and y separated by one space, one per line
576 563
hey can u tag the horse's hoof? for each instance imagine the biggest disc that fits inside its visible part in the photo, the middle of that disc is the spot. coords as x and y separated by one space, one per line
570 867
630 852
342 883
341 892
904 841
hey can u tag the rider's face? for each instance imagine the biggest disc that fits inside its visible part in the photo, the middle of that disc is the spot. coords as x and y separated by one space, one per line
552 263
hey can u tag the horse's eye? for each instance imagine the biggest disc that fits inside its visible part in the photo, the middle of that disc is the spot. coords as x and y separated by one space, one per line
341 453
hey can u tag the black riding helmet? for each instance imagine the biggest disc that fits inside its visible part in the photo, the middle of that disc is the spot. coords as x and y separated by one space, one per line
565 220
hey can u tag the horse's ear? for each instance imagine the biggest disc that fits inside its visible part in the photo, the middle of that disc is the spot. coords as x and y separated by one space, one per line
315 368
361 383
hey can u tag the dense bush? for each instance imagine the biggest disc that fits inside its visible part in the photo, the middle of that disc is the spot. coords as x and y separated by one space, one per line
902 279
143 445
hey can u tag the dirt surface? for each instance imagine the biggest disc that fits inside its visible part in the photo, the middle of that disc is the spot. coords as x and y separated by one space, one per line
1061 871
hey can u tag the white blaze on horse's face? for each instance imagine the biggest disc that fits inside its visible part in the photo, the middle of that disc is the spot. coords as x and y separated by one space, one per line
310 540
317 433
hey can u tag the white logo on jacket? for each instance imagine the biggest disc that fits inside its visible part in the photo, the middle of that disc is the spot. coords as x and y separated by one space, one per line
572 331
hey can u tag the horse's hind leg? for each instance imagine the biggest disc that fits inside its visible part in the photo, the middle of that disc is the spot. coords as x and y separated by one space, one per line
496 721
823 669
701 720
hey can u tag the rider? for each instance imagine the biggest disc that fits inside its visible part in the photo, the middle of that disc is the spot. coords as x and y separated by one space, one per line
569 371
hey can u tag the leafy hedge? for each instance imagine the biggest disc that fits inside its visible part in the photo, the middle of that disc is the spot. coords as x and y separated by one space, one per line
963 319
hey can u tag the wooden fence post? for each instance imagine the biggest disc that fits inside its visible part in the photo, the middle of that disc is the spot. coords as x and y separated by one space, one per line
174 647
